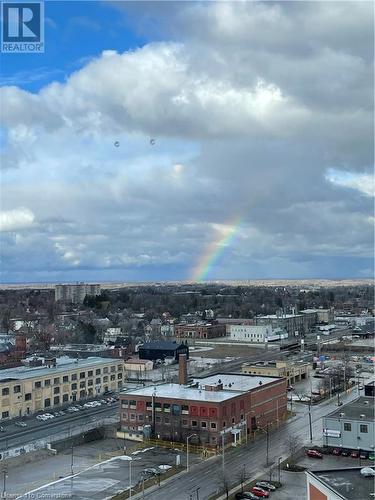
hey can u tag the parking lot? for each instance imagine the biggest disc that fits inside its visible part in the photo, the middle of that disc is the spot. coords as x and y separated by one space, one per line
111 476
294 483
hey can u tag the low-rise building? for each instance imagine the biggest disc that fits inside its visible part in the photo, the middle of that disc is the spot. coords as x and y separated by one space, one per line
293 372
138 365
225 404
162 349
294 324
351 426
259 334
200 330
27 389
339 484
322 315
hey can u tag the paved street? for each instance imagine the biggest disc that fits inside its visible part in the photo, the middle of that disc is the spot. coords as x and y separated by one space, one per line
17 436
113 476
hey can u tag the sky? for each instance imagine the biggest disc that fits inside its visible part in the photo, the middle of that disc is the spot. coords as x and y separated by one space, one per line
190 141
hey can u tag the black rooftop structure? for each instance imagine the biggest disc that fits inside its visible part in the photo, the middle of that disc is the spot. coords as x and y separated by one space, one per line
161 350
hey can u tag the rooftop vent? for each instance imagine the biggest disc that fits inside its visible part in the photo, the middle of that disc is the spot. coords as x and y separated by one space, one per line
366 402
342 415
362 415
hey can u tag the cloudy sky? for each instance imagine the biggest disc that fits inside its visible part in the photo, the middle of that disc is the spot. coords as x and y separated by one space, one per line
162 141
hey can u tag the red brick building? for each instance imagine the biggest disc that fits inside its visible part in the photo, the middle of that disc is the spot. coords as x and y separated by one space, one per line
199 331
232 404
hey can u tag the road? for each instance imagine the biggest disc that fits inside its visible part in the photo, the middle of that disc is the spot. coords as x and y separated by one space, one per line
18 436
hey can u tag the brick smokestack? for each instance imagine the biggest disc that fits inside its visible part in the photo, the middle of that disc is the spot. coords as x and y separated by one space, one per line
182 369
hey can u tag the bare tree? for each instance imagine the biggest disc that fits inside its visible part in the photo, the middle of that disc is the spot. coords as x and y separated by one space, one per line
224 484
293 444
242 476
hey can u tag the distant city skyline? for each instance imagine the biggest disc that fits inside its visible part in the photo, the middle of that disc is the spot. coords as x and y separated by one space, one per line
165 141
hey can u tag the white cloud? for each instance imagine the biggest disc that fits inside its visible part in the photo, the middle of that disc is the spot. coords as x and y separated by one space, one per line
16 220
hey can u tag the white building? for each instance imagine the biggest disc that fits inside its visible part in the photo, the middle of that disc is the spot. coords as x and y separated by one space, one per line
111 334
251 333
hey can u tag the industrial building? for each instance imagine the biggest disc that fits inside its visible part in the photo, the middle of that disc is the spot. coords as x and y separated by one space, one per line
200 330
27 389
294 324
224 406
351 426
75 293
293 372
339 484
161 350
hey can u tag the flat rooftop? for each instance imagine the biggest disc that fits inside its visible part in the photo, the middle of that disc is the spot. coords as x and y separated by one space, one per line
63 364
284 316
352 411
348 483
238 385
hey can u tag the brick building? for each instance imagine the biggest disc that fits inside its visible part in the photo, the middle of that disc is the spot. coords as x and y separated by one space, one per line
200 330
229 404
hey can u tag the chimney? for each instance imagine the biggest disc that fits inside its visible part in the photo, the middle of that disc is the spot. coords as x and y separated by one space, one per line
182 369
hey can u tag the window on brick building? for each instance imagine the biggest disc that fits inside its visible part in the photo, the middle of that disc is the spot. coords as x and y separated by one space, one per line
213 425
204 425
194 423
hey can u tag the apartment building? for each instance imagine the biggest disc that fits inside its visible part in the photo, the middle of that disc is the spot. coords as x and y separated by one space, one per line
251 333
28 389
75 293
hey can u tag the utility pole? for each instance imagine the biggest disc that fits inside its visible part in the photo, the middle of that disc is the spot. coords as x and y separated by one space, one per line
279 469
310 423
223 446
268 442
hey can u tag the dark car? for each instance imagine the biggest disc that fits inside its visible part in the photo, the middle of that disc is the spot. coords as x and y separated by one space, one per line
336 451
314 454
363 455
345 453
246 495
266 485
354 454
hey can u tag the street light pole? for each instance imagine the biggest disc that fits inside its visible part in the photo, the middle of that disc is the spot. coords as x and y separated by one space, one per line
279 469
187 451
130 478
310 422
223 446
268 442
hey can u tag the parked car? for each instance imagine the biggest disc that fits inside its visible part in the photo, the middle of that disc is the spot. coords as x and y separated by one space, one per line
354 454
20 424
371 455
72 409
363 455
2 428
345 453
368 472
290 388
246 495
314 454
266 485
336 451
260 492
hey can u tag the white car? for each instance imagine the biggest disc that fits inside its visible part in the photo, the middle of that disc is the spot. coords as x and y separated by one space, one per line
367 472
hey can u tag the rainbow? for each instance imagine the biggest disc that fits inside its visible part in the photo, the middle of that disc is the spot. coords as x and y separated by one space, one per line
215 248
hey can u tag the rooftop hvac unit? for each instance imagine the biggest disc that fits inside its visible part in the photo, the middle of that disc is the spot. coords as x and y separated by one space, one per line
342 415
362 416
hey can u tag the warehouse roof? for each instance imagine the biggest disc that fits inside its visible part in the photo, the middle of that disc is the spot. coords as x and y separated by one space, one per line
353 410
346 483
239 384
63 364
160 345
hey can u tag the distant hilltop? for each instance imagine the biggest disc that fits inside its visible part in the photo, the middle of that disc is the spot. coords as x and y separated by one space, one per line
303 283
